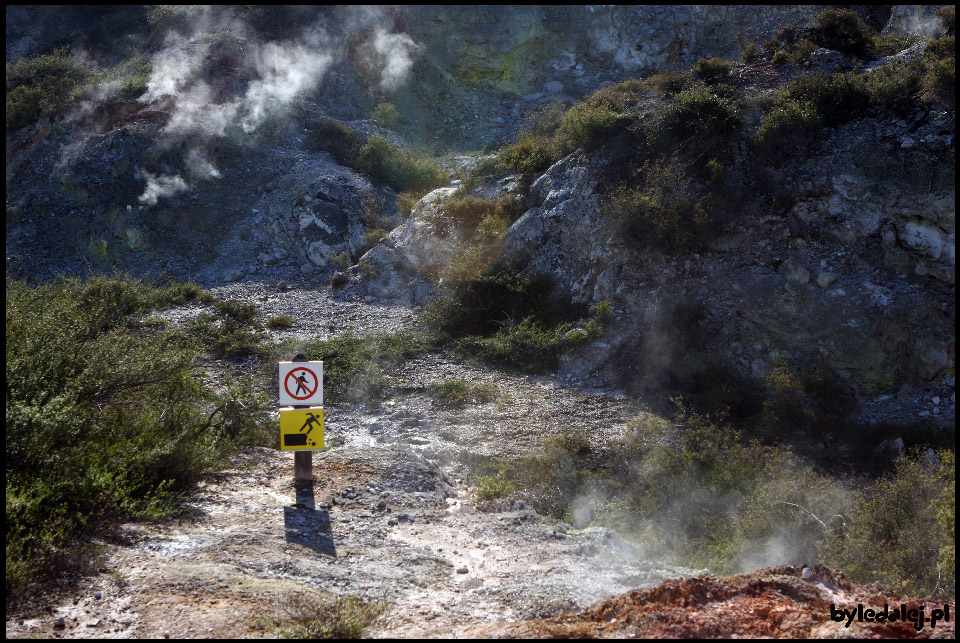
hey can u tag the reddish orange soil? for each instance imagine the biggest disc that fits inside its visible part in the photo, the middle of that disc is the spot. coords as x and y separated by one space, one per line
774 602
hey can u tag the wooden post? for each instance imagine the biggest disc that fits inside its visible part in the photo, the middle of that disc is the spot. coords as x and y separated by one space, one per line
303 466
302 460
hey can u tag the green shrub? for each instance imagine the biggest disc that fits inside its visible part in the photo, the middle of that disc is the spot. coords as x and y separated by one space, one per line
668 83
712 70
837 98
588 127
353 367
902 530
484 305
529 155
41 85
385 115
369 240
107 418
692 491
790 126
400 169
780 57
694 118
481 314
546 119
342 141
493 487
231 331
528 346
801 52
620 97
895 87
890 44
666 211
940 81
751 54
280 321
842 30
942 47
407 201
948 18
469 211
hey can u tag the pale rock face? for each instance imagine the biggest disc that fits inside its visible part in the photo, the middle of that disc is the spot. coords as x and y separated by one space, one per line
917 20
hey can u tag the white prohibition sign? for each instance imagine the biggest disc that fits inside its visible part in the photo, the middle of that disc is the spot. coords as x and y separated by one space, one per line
301 383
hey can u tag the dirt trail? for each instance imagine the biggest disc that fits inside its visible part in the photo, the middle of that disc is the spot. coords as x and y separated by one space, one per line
253 542
390 516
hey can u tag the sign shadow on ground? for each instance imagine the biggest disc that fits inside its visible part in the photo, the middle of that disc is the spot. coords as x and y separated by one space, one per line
304 525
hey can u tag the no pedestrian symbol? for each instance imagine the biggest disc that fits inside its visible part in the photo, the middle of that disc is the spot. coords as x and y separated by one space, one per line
301 383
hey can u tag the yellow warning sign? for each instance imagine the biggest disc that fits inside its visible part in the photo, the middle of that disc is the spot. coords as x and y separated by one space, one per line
301 429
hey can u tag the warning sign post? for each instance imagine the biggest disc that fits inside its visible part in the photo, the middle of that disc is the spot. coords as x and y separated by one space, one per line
301 383
301 429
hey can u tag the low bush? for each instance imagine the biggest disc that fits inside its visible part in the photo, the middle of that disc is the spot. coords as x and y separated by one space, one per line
751 54
694 118
942 47
107 418
948 18
588 127
787 128
895 87
353 367
940 81
386 115
231 331
342 141
691 491
493 487
369 240
712 70
668 83
620 97
837 98
484 305
400 169
902 531
41 85
469 211
666 210
529 155
505 318
842 30
280 321
457 392
407 201
528 346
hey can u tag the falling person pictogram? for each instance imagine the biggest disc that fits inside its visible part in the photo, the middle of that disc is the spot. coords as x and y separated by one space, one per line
308 425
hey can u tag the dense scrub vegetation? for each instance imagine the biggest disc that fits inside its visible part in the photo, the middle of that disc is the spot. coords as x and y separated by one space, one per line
401 169
511 319
107 418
